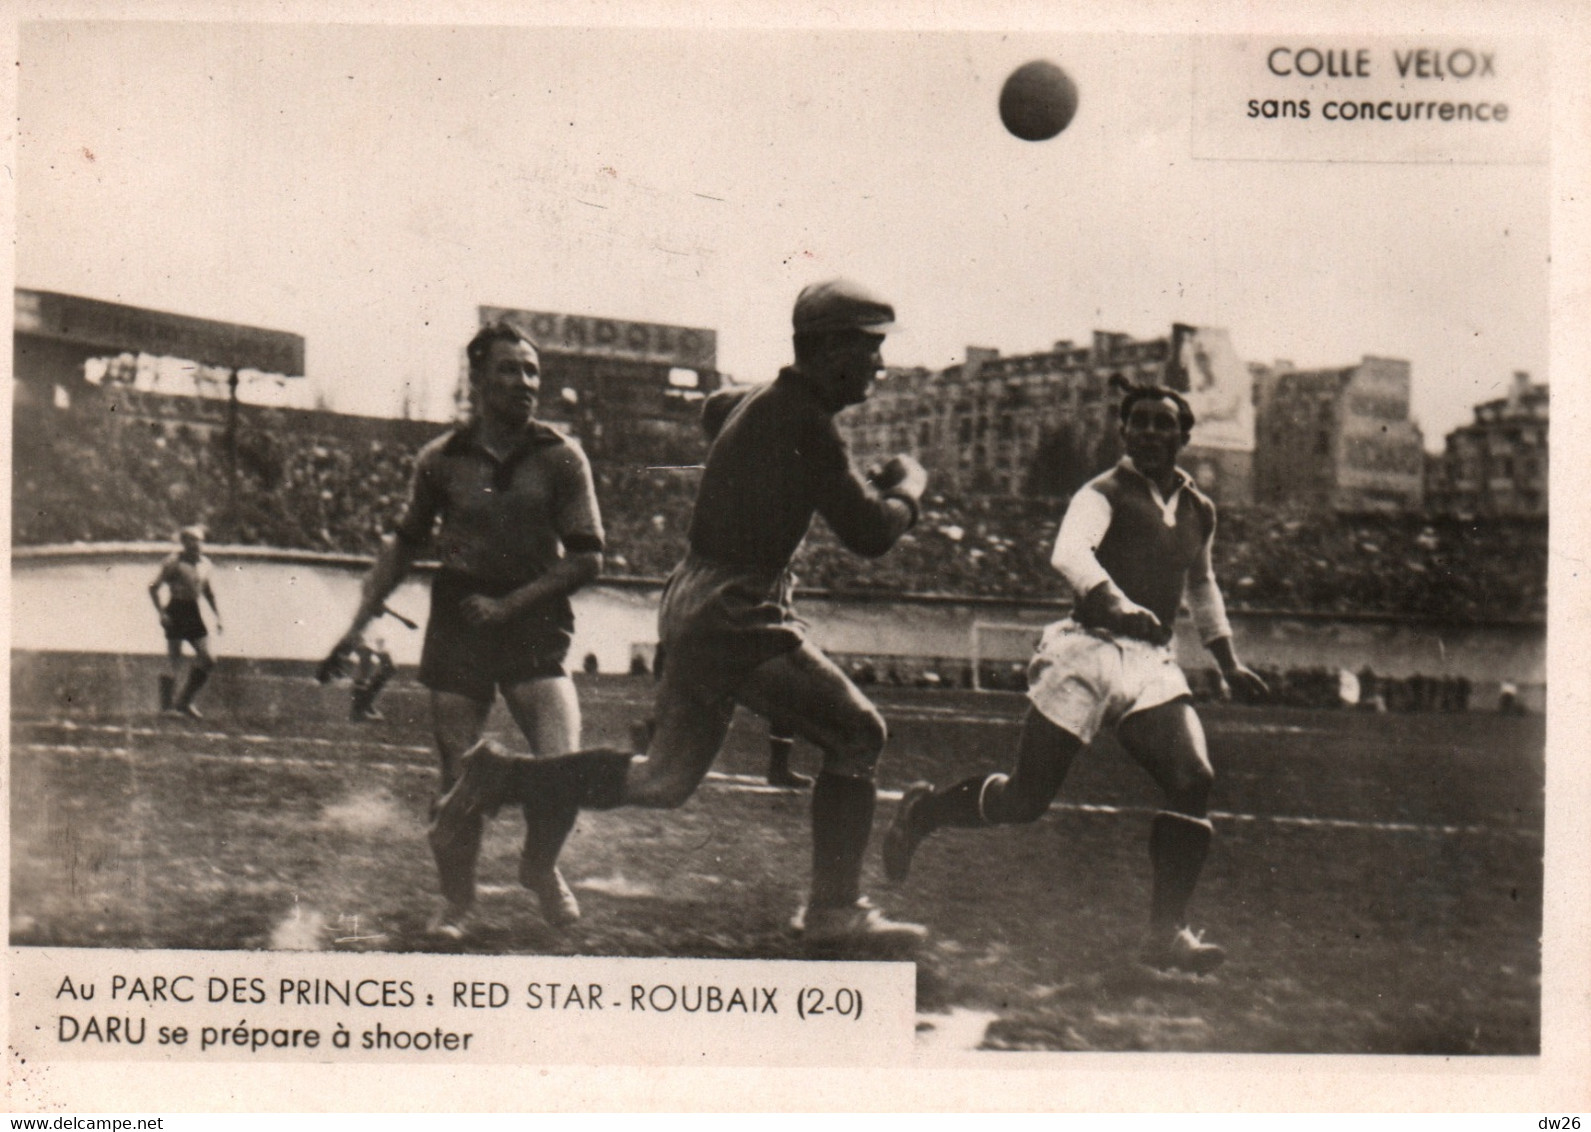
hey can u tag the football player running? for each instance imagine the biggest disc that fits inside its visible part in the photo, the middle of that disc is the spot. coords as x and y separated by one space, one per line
730 632
513 510
1134 542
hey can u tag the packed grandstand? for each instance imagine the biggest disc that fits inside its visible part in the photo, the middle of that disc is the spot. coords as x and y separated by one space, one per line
109 469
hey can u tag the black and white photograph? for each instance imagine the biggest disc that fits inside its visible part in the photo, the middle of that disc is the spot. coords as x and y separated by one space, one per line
999 536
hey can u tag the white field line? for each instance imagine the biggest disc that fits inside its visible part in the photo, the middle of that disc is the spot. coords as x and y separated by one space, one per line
1004 707
222 736
916 714
737 783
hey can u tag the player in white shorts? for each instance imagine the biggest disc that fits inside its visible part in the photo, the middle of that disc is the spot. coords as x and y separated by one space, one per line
1135 543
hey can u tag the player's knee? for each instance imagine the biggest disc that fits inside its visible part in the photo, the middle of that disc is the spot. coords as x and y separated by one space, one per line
1190 788
871 733
857 753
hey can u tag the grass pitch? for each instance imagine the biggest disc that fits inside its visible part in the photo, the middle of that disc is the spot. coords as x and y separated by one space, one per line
1376 880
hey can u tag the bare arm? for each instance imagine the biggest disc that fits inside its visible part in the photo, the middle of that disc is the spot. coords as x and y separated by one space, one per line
1209 615
154 592
399 550
1203 596
1239 677
209 596
566 576
869 515
392 565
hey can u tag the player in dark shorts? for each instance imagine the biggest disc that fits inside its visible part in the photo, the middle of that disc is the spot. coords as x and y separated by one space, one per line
368 663
373 672
186 577
781 743
519 533
730 633
781 732
1135 541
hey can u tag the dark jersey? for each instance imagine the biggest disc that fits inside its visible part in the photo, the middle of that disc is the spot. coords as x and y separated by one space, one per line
503 520
778 460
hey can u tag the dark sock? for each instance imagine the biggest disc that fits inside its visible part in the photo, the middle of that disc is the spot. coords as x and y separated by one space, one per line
554 790
168 692
953 806
196 680
545 832
585 780
1178 845
377 682
842 821
779 749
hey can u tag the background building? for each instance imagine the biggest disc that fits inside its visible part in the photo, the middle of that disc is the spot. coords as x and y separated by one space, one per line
1219 386
1030 424
1042 424
1338 438
1497 465
64 345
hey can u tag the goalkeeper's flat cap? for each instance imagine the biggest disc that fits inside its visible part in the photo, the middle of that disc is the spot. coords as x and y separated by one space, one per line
840 304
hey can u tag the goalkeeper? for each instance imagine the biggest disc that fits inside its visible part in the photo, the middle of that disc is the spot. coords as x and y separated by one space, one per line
731 634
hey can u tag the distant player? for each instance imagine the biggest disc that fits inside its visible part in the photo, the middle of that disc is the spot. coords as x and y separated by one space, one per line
519 533
1134 542
372 669
729 631
186 578
375 669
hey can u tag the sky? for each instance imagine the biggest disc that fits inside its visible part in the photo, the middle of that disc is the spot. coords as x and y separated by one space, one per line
369 186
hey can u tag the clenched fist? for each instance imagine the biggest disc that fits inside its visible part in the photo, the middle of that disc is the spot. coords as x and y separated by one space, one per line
902 475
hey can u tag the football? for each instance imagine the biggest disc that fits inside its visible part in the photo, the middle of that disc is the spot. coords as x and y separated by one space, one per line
1038 101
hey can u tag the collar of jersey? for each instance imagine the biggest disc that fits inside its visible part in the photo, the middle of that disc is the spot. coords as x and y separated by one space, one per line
1167 504
796 379
536 433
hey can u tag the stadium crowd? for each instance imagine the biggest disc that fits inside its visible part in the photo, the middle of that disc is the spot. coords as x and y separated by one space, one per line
91 475
86 477
1267 558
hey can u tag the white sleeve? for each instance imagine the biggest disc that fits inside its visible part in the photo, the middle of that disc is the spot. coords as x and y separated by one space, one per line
1204 596
1082 530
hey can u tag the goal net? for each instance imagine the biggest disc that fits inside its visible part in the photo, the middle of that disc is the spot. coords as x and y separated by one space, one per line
1000 654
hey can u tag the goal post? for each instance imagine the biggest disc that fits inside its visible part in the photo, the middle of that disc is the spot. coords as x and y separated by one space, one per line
1001 645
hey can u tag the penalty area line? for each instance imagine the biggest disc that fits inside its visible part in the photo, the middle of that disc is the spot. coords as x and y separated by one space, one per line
752 785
